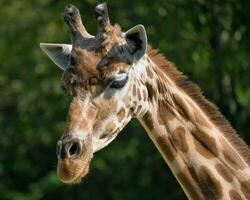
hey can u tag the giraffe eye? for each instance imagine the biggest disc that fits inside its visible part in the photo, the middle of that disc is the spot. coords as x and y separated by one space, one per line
119 81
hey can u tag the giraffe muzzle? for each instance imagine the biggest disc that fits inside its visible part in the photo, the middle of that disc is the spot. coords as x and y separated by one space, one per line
73 160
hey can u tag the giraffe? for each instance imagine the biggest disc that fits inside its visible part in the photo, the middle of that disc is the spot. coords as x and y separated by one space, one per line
114 77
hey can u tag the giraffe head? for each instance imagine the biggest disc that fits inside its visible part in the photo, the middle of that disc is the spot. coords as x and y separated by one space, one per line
103 77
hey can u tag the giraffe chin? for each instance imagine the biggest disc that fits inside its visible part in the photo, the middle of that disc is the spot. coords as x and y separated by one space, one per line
72 171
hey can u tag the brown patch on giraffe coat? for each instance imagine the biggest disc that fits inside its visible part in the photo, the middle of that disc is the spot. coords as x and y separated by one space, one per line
151 91
161 86
234 195
166 146
181 106
110 127
121 114
148 119
164 113
207 141
187 180
139 94
224 172
179 139
202 150
209 185
138 109
201 120
149 72
245 188
231 157
132 110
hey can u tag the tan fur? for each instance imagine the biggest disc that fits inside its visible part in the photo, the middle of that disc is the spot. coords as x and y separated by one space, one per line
201 120
195 93
210 186
224 172
151 91
245 187
111 38
165 113
191 134
111 127
121 114
232 158
179 139
187 180
181 106
166 145
202 150
149 120
180 103
234 195
207 141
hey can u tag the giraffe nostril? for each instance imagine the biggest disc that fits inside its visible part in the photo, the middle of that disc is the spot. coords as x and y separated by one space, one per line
68 149
74 149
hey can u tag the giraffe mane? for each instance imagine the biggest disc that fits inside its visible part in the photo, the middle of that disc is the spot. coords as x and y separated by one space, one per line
194 91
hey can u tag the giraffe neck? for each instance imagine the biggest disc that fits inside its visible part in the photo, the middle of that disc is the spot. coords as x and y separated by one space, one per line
205 162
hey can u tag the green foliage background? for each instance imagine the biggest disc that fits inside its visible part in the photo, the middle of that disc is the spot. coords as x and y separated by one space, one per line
208 40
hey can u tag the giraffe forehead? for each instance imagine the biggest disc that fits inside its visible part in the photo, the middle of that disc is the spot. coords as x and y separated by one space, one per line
94 62
85 62
112 38
90 67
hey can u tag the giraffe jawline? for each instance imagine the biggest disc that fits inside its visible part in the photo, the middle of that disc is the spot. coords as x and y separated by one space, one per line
104 141
81 176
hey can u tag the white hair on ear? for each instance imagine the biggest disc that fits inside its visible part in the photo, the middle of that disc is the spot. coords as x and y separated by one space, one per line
58 53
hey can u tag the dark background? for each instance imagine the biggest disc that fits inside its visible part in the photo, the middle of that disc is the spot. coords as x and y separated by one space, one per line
208 40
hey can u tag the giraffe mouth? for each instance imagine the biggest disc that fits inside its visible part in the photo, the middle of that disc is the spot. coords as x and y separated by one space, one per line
72 171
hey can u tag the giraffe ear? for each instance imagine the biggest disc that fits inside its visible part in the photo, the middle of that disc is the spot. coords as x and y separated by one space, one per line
58 53
136 38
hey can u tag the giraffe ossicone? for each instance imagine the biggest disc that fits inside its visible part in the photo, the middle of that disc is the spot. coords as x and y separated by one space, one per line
114 77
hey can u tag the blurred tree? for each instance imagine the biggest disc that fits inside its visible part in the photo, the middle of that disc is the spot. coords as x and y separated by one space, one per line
208 40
